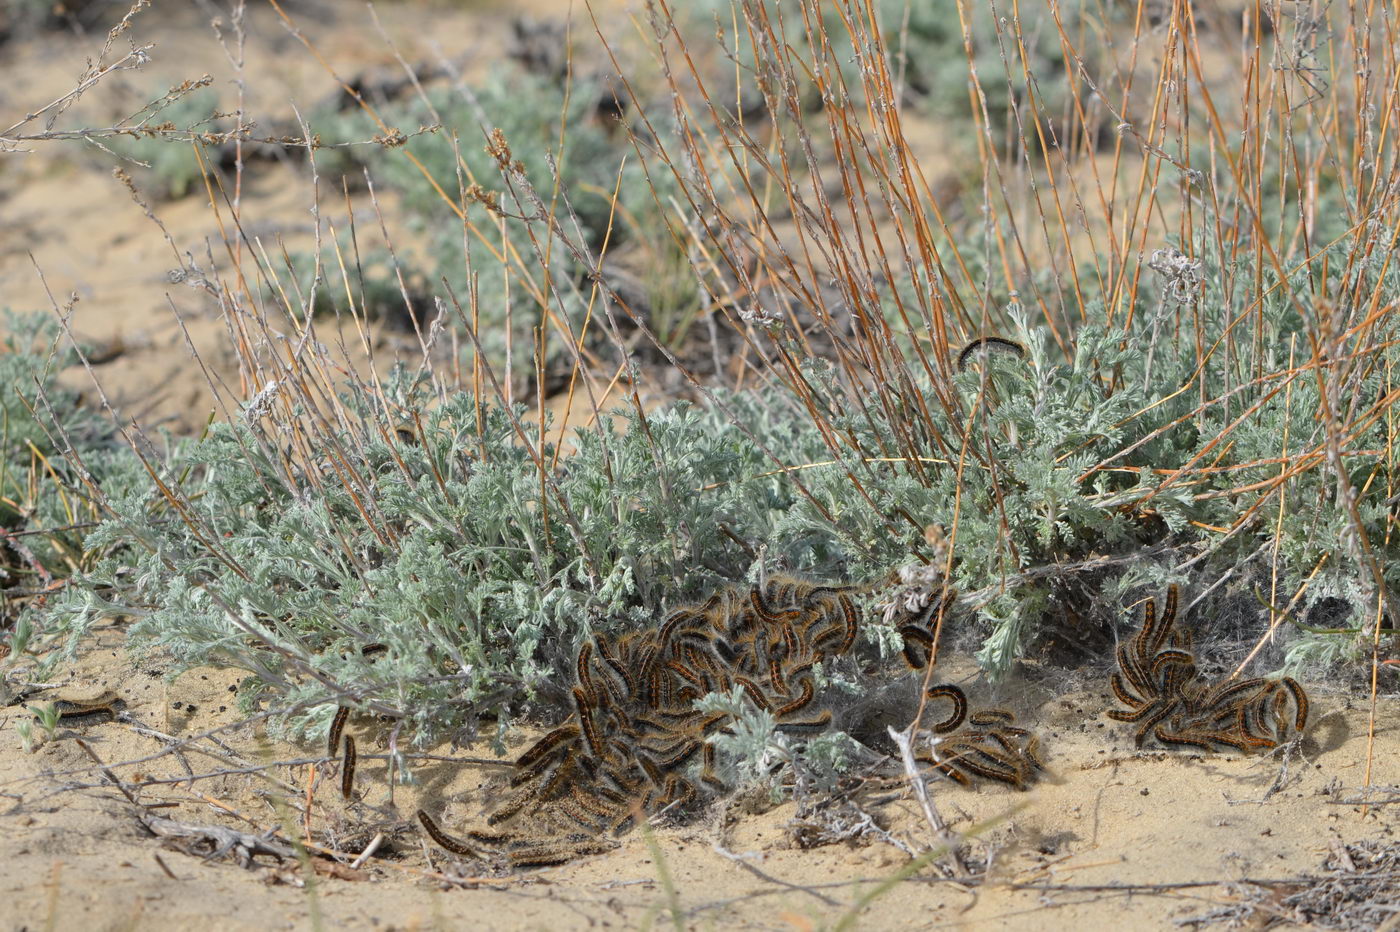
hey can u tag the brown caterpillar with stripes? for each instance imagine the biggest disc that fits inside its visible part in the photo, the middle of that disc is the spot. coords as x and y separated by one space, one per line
982 347
347 770
635 745
333 742
337 727
1172 703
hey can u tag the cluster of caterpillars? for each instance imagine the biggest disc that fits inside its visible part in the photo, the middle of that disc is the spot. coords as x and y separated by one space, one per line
991 746
636 744
1169 700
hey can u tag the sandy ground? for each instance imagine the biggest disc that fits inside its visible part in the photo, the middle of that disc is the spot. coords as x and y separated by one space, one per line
1114 838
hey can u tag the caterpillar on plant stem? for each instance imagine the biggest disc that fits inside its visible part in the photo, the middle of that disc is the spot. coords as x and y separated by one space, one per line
580 816
1190 737
543 855
766 614
682 755
669 627
949 771
775 677
1170 657
585 677
593 804
1115 682
993 717
1137 677
680 669
707 773
1031 752
984 762
1158 714
1226 690
987 346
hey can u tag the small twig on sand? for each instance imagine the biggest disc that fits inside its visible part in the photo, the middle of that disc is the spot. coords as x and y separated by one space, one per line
870 826
1362 800
1285 751
940 830
769 878
242 845
164 867
107 772
366 854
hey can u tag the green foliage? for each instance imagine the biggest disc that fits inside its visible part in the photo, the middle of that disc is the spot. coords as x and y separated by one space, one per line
54 453
1101 454
371 285
47 716
443 576
42 492
25 729
22 18
560 149
446 573
1022 70
751 748
753 751
439 578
